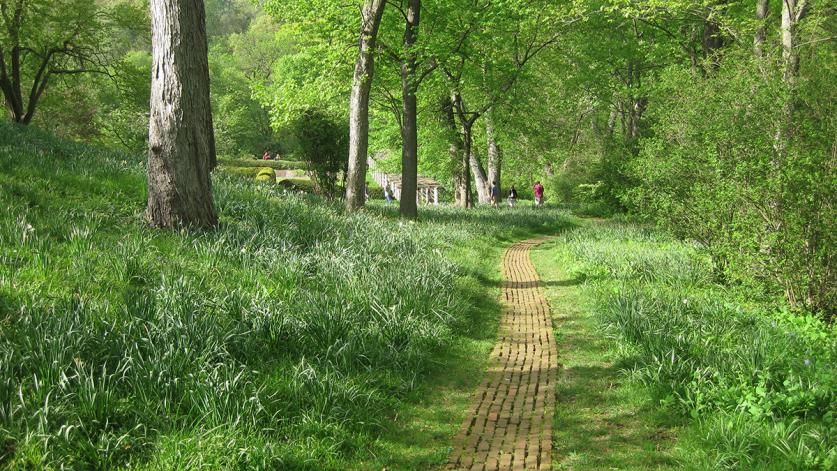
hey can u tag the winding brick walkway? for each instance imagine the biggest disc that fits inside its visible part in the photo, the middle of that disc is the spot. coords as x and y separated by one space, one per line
509 425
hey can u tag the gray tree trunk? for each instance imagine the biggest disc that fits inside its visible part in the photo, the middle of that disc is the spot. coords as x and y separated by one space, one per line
180 136
793 11
455 150
409 112
465 185
480 180
761 31
494 155
466 125
372 12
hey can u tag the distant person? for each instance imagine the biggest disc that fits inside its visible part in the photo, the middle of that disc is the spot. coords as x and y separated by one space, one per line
512 197
388 195
266 155
538 188
495 194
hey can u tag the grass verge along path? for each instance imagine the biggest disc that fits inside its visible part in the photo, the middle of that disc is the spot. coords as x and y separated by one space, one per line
601 422
509 424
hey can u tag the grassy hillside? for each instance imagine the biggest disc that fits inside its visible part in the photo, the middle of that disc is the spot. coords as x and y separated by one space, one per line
286 338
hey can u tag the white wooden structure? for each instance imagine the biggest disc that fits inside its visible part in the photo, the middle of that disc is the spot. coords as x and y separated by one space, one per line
427 189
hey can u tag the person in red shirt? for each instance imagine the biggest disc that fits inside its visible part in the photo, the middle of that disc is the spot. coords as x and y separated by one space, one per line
538 188
266 155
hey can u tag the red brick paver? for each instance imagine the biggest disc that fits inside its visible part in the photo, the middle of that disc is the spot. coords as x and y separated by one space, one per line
509 425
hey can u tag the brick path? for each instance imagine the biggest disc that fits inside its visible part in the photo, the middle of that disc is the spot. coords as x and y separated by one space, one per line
509 425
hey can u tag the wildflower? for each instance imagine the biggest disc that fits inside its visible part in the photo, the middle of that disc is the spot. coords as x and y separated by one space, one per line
807 362
685 301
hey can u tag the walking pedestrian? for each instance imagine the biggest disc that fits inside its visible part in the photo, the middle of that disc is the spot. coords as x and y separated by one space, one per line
512 197
538 189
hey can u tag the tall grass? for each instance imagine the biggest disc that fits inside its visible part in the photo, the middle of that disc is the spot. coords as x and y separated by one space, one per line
759 382
283 339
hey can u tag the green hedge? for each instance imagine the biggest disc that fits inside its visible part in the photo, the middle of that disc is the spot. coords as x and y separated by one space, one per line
266 174
275 164
249 172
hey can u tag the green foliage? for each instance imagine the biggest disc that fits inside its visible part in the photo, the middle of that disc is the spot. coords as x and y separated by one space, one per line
760 383
764 213
323 145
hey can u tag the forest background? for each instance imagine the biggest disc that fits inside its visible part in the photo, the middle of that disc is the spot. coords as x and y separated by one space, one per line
715 119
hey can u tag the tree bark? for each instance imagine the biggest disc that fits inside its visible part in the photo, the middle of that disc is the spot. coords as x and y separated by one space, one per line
465 200
409 111
494 155
761 31
713 40
455 150
793 11
480 180
10 74
466 126
372 12
180 134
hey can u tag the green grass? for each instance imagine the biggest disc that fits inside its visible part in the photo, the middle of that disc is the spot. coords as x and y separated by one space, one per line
291 337
742 384
601 420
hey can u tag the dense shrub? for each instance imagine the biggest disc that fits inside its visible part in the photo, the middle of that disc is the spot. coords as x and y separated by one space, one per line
324 146
266 174
728 170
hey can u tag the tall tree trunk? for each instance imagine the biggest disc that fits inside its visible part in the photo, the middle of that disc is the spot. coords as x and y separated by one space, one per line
467 144
611 121
10 78
180 136
372 12
409 121
712 41
480 180
466 125
793 11
455 150
494 155
761 31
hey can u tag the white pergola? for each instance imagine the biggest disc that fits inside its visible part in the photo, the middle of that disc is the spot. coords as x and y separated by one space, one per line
427 189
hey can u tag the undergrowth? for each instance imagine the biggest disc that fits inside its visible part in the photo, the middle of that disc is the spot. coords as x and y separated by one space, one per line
758 383
283 339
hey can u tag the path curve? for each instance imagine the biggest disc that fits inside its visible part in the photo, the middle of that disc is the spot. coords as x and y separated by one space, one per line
509 425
